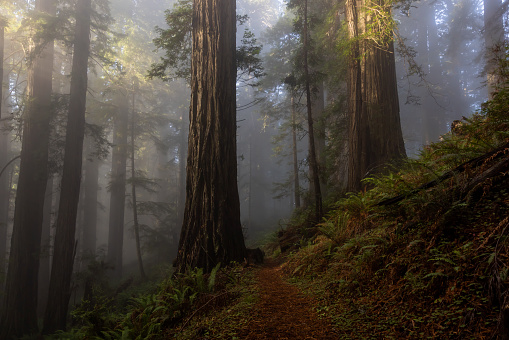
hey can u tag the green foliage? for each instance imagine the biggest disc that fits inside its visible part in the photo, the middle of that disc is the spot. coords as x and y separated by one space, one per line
431 265
142 312
176 42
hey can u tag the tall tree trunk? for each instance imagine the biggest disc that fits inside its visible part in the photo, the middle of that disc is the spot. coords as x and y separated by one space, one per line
4 179
64 248
296 185
19 305
91 187
427 46
118 186
435 115
3 23
493 37
375 129
45 265
383 106
318 107
211 231
313 162
133 193
358 135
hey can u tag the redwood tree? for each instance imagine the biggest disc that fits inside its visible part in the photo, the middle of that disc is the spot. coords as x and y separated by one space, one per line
375 129
19 305
211 230
64 248
118 185
4 186
313 161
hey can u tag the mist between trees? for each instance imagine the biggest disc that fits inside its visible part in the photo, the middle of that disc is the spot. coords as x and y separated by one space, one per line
100 99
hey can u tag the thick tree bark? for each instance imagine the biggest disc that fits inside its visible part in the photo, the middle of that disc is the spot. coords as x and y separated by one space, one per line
358 136
382 102
181 200
64 248
19 305
91 187
313 161
211 231
118 186
375 128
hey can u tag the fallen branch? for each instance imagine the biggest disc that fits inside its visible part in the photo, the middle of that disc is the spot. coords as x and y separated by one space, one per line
460 168
201 307
8 163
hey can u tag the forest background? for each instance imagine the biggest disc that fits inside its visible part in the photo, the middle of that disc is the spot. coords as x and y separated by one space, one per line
136 126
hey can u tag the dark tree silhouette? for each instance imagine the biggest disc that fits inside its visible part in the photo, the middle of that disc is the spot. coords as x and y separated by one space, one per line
19 305
118 185
64 250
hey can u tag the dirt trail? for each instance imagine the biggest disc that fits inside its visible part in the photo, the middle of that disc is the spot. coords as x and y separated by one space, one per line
283 312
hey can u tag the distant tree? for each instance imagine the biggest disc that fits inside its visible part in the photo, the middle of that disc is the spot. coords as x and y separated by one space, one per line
4 189
3 24
280 76
493 38
375 129
118 183
296 183
211 231
313 159
91 187
134 198
19 305
64 249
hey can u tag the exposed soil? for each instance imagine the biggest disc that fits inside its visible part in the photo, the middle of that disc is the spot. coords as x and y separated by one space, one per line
284 312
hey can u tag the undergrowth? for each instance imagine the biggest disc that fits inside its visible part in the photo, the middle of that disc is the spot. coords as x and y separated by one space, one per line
184 306
424 253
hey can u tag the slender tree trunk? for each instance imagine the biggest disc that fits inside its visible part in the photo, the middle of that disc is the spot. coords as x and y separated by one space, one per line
211 231
19 305
296 185
436 118
313 162
91 186
493 37
118 186
133 196
2 48
318 107
4 179
64 249
45 265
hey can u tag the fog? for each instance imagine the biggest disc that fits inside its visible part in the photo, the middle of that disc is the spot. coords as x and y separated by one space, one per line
441 78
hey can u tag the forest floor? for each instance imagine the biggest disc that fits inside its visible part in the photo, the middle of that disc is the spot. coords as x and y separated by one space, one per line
266 307
283 311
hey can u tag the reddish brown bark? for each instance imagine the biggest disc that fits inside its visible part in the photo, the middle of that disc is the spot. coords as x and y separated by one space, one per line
211 231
